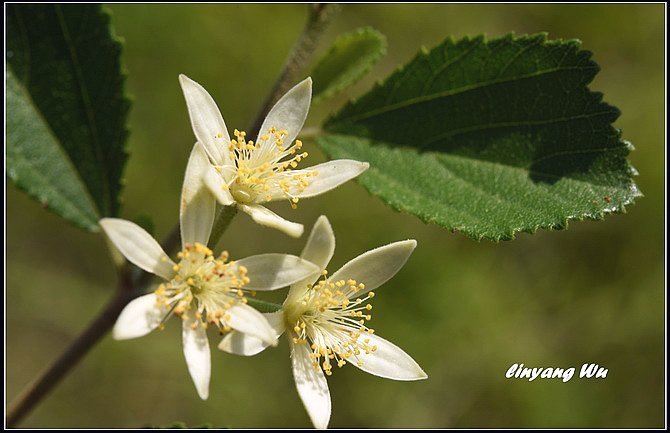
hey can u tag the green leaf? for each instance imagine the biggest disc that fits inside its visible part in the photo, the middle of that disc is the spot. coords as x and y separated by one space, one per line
37 163
348 60
67 100
263 306
490 138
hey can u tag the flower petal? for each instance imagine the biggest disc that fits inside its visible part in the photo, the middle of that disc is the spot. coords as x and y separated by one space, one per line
375 267
312 386
273 271
141 316
208 125
319 250
289 112
138 246
266 217
196 352
388 361
239 343
249 321
330 175
196 213
217 186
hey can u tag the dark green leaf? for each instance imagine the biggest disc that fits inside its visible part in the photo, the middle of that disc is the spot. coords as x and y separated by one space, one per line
348 60
490 138
67 64
37 163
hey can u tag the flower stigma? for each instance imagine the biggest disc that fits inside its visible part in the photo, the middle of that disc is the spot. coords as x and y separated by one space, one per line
333 324
204 288
263 170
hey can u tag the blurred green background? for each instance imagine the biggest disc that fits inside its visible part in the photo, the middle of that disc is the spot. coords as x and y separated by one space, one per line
464 310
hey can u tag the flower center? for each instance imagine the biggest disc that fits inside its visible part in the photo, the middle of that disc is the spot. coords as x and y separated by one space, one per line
332 323
263 170
204 285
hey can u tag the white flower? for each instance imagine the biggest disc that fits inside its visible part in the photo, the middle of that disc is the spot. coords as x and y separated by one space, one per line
326 321
247 173
201 289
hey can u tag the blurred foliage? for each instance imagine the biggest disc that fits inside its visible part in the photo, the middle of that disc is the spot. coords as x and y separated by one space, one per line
349 58
464 310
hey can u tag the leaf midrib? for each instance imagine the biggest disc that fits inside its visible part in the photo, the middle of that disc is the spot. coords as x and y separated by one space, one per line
452 92
489 126
90 114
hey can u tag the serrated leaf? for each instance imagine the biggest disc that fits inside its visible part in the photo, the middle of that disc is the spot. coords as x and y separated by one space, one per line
350 57
490 138
68 100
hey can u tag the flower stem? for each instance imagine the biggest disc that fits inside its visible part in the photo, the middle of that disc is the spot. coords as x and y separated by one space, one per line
320 15
223 218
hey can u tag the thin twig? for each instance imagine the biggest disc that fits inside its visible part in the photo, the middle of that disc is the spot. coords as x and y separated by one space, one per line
131 281
320 15
32 395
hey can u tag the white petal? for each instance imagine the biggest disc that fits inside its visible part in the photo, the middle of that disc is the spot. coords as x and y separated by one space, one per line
330 175
249 321
198 206
273 271
138 246
375 267
141 316
388 361
290 111
196 352
266 217
312 386
319 250
217 186
239 343
320 246
208 125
